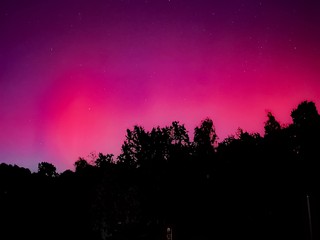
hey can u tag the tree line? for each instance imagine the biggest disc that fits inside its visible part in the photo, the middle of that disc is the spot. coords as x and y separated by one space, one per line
247 186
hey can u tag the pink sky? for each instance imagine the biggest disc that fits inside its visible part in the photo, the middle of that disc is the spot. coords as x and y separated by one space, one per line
73 78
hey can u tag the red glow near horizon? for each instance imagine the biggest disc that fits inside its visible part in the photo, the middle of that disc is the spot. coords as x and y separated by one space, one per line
74 79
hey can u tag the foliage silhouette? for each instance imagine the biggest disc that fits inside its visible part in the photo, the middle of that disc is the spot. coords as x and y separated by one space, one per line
246 186
47 169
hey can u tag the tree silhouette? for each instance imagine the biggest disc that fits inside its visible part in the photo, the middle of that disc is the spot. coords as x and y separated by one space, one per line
104 161
271 126
47 169
135 147
81 164
178 134
305 144
205 136
246 186
305 115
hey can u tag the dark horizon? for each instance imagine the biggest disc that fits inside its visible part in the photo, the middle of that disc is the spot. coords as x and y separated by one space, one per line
92 156
247 186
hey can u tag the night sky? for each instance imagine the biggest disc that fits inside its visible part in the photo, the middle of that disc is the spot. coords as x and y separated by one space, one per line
74 75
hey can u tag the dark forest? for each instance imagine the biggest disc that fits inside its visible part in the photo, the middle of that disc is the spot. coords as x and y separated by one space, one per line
247 186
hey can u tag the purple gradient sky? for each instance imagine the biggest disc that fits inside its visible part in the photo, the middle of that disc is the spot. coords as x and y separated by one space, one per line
74 75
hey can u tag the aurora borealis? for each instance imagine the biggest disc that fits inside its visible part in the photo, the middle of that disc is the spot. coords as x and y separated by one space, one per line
74 75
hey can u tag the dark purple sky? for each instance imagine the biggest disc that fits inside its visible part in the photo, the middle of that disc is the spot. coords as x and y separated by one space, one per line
74 75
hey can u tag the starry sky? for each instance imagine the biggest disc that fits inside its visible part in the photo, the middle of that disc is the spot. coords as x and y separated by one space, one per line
75 74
